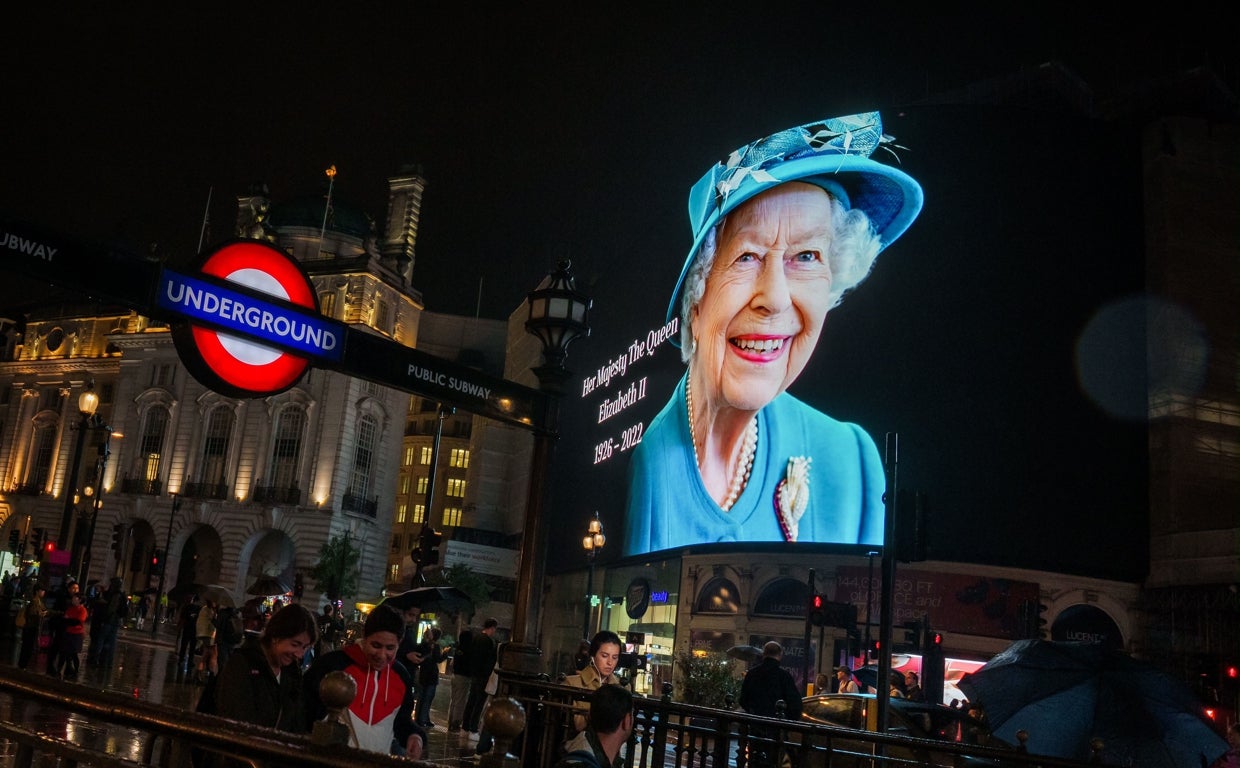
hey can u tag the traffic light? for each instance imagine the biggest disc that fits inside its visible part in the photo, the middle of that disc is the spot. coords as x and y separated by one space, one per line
299 585
818 610
1229 683
911 639
157 557
427 552
118 538
36 540
14 542
932 666
1031 616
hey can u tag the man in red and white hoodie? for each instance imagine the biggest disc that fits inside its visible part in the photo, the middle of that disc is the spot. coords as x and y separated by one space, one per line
381 715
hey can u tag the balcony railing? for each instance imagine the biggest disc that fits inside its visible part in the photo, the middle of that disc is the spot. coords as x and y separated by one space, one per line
29 489
271 494
141 485
360 504
205 490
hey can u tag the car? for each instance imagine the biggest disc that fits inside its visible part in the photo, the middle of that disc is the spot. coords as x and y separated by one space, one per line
935 722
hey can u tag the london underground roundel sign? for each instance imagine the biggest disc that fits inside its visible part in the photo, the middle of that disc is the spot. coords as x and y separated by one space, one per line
241 365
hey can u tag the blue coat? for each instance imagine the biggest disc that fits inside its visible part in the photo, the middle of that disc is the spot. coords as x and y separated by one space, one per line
668 505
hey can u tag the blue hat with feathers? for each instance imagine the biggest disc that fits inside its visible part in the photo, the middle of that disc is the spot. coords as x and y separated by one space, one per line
833 154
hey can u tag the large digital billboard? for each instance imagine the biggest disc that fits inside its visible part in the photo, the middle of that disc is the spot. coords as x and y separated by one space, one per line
742 382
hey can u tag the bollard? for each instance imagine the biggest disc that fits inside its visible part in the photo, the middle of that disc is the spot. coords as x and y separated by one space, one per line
336 691
504 720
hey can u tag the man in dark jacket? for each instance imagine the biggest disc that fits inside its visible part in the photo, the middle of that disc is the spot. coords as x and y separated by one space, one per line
764 686
482 656
611 722
459 692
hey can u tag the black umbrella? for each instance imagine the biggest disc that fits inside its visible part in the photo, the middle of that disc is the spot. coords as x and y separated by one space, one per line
213 592
746 653
1065 694
450 599
267 586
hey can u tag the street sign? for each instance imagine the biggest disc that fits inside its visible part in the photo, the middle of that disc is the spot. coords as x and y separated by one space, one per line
237 343
270 331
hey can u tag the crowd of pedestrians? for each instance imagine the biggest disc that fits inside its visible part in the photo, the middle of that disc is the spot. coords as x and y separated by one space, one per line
264 667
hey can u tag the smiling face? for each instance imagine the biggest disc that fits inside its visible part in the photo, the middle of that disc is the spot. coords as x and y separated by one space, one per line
607 658
288 650
766 297
380 648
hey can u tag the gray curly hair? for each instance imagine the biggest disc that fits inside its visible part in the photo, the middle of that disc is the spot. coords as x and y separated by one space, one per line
854 248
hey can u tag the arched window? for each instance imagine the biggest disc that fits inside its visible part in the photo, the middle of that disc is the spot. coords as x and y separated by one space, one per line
286 449
785 597
719 595
213 464
41 448
151 446
363 456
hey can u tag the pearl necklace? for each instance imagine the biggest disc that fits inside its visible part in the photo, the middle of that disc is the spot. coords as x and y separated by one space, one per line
744 462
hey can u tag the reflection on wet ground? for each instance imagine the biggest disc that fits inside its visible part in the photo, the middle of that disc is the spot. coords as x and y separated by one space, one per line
145 667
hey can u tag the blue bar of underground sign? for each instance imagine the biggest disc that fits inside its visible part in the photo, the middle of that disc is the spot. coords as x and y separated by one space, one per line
249 317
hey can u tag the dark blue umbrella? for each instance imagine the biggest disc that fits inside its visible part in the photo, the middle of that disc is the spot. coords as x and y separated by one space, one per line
1066 694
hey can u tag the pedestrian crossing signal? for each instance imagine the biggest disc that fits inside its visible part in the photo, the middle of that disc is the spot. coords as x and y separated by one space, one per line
13 541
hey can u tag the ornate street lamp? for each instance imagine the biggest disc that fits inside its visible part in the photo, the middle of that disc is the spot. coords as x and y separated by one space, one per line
592 542
105 450
558 314
88 403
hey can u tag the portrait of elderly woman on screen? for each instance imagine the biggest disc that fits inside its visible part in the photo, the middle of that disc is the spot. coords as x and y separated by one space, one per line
783 229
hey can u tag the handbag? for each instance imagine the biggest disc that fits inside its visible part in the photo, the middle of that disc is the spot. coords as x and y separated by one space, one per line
492 682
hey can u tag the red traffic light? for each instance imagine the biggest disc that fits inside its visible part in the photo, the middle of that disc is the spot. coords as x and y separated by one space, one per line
1231 671
936 638
50 546
818 603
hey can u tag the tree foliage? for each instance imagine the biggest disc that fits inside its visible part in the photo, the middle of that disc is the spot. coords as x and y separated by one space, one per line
707 680
335 574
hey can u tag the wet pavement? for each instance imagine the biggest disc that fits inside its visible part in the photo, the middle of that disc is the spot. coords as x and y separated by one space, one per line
145 667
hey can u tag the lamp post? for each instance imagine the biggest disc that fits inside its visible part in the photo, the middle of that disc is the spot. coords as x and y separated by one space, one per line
557 315
592 542
85 547
88 402
163 564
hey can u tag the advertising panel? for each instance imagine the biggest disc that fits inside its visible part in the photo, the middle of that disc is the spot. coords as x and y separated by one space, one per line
953 602
758 410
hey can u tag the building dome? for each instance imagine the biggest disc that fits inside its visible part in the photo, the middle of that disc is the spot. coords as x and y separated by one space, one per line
307 211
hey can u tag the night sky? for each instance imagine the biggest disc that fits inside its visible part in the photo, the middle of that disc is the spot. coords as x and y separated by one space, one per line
576 133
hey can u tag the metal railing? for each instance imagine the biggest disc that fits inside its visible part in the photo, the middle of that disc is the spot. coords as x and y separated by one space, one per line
273 494
165 737
205 490
671 735
530 719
